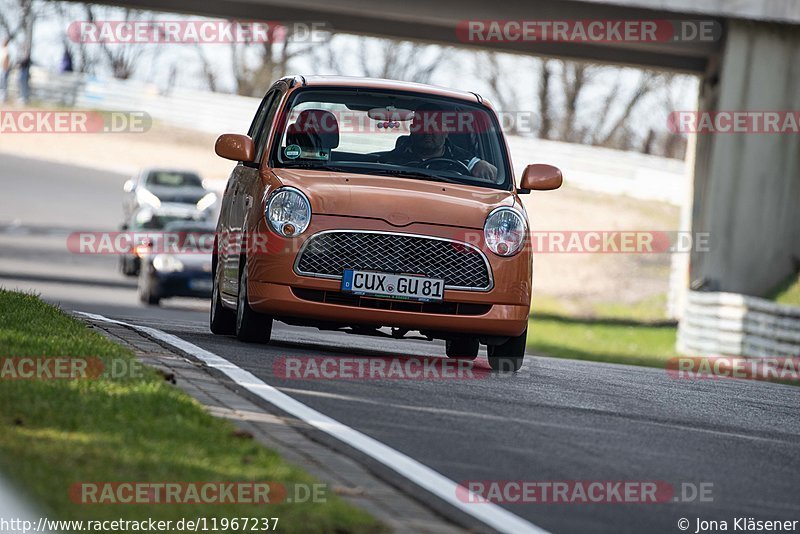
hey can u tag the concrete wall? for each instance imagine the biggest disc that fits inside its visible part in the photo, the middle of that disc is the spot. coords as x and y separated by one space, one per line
747 186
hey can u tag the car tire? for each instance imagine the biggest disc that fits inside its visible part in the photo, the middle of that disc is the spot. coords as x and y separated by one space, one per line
146 293
126 267
251 326
507 357
221 320
465 348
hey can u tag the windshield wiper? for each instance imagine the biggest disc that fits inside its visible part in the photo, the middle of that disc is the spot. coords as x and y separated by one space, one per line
316 166
400 173
413 174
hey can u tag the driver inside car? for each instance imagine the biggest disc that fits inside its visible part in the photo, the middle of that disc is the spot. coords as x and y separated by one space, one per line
428 140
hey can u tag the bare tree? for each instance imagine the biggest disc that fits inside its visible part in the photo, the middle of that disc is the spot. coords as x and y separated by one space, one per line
575 78
17 17
545 102
208 72
506 96
590 104
85 60
648 81
400 60
272 61
121 58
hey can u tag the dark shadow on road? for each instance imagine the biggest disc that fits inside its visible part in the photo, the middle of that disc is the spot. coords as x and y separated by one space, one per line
603 321
124 284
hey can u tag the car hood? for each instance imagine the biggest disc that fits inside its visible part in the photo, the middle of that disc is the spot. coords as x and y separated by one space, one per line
188 194
398 201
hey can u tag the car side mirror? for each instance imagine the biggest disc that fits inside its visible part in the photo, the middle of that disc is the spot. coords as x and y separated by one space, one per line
128 186
235 147
540 177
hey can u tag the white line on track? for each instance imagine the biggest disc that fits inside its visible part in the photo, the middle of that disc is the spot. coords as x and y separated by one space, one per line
488 513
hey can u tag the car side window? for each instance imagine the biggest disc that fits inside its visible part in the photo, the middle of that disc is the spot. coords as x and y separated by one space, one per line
263 134
260 128
257 127
258 120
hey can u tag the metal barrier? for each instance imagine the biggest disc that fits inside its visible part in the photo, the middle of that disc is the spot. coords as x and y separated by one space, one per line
729 324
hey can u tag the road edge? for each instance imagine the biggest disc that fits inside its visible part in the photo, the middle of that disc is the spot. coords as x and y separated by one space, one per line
399 506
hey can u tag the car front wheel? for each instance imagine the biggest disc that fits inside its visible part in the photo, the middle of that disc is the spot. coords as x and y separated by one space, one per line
251 326
222 320
508 357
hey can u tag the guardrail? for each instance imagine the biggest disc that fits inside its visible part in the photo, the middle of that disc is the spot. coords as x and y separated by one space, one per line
729 324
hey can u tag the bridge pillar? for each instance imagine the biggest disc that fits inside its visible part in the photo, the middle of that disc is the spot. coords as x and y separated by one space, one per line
747 186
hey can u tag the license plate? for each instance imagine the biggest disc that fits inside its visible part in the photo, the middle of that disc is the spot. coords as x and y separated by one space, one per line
201 285
400 286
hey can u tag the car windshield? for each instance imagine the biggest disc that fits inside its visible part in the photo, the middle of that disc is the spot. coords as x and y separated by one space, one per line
173 179
407 135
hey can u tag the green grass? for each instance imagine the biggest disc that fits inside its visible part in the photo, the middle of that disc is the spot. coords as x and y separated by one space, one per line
788 292
635 335
54 433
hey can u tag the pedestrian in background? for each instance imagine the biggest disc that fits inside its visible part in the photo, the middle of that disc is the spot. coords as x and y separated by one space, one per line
5 65
25 77
66 62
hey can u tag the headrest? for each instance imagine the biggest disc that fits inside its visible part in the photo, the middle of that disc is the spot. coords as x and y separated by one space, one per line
314 129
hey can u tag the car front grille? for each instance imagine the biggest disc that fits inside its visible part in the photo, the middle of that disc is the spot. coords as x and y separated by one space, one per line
348 299
327 254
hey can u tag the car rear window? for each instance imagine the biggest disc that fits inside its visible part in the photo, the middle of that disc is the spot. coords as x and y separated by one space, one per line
174 179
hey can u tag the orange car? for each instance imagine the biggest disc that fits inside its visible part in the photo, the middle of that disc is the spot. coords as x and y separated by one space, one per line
363 204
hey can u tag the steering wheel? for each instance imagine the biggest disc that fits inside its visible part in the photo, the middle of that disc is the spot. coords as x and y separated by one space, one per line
443 164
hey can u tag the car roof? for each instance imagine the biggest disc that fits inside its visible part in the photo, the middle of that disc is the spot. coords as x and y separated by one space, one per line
379 83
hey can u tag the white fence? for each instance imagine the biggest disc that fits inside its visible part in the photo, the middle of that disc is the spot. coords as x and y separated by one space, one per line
729 324
196 110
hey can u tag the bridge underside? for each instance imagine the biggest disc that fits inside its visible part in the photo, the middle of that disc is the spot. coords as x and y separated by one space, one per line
437 22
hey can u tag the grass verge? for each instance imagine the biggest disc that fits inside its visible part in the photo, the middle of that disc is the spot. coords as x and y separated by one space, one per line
788 292
136 428
632 335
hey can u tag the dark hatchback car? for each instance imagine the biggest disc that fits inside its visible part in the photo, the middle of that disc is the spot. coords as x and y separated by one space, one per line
146 221
180 269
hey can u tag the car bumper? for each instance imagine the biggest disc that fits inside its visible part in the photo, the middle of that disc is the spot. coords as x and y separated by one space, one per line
275 288
183 284
283 301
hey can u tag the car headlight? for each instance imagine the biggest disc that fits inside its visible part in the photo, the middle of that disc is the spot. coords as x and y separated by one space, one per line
288 212
207 201
167 263
146 198
504 231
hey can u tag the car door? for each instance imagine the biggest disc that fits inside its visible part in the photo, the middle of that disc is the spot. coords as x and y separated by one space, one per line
243 181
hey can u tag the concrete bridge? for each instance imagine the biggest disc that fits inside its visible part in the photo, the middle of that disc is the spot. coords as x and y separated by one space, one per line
746 186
